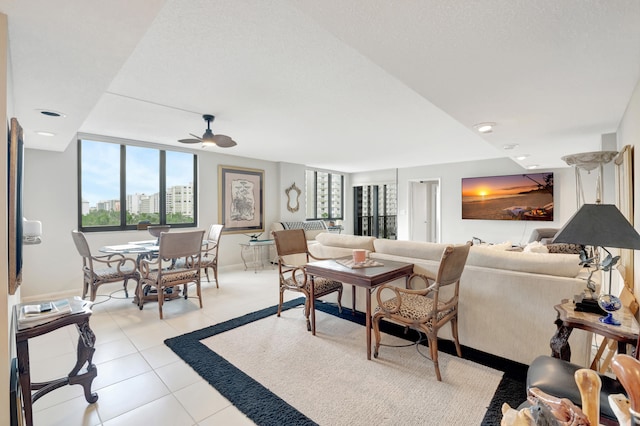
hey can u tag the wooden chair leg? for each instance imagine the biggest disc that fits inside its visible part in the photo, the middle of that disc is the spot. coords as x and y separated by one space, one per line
307 311
160 299
454 333
281 301
124 286
199 292
376 332
215 275
433 347
340 300
140 294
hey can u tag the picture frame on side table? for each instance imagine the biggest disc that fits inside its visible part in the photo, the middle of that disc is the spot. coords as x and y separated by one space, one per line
241 199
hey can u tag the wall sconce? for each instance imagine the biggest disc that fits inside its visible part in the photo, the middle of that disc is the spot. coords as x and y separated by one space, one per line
31 231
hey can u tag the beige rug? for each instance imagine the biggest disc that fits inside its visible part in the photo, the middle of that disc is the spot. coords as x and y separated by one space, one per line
328 377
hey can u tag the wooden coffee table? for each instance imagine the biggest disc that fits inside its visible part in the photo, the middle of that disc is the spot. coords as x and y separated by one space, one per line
368 278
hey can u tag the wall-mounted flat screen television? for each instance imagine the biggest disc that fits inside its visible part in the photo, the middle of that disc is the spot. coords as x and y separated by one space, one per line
526 196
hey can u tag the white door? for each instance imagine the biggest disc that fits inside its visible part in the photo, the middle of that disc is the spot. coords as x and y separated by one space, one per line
424 211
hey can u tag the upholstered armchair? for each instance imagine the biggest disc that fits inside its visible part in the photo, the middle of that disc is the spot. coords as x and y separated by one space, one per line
293 254
177 264
426 310
103 269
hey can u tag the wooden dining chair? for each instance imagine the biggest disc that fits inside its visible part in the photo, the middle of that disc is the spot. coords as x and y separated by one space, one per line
103 269
177 264
293 255
210 251
426 310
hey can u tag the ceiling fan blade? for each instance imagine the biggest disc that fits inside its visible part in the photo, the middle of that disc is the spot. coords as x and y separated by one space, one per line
196 136
224 141
189 140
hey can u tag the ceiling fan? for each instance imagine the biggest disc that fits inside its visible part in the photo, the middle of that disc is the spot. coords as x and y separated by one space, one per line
208 138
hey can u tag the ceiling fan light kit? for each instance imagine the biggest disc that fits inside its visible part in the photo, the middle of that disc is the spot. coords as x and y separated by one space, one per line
208 138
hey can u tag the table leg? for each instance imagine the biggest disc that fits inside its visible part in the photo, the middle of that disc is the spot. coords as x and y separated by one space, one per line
24 374
560 342
368 324
312 296
86 342
353 300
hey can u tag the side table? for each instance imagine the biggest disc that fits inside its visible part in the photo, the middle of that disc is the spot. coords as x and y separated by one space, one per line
568 319
79 316
254 253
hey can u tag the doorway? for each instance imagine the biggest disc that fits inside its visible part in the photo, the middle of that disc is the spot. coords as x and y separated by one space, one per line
424 210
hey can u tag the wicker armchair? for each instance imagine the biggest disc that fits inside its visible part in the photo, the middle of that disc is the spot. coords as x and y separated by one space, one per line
426 310
210 252
177 263
293 254
103 269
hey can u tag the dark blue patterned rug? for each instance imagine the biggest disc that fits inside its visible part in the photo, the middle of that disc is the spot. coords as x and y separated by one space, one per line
265 408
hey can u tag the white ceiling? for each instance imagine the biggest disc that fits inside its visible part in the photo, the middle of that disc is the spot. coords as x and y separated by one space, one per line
343 85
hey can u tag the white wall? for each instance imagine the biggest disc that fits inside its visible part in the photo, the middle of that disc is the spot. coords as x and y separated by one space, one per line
456 230
6 301
628 133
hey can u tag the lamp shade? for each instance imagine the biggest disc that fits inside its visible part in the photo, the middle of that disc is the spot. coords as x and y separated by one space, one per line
599 225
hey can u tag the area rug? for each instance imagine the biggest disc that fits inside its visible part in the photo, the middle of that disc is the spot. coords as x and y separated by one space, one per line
276 373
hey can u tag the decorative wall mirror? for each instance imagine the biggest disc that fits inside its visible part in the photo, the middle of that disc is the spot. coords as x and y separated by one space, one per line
293 202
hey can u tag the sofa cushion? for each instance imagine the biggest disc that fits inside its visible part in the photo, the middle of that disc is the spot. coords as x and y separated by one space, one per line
346 241
410 249
564 248
561 265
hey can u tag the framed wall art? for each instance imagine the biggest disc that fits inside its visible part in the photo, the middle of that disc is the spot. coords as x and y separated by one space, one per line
16 153
241 199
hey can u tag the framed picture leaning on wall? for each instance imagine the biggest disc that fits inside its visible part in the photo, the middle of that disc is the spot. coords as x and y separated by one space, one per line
241 199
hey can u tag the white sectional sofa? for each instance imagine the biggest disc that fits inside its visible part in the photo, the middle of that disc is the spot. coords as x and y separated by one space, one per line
506 297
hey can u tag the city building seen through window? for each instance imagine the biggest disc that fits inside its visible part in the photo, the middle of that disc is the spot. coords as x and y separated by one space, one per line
121 185
324 195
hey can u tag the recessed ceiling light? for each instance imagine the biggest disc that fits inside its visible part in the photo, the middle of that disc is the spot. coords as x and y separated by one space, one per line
510 146
51 113
532 166
45 133
522 157
485 127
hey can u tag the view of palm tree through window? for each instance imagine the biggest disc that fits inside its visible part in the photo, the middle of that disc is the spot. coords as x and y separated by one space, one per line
158 185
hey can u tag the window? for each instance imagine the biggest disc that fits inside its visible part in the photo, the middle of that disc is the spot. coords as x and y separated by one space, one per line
324 195
375 210
122 185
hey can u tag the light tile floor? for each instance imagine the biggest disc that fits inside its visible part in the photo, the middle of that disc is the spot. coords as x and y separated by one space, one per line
140 380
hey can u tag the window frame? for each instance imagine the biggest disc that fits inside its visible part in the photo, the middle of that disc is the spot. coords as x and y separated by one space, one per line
329 196
123 143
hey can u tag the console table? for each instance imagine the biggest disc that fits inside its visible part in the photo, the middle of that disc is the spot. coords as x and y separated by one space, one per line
79 316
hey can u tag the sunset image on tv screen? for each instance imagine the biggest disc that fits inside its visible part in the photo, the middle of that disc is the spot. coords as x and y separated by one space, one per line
513 197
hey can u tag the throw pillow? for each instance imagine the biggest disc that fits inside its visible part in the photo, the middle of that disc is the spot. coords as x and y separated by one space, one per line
536 247
565 248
